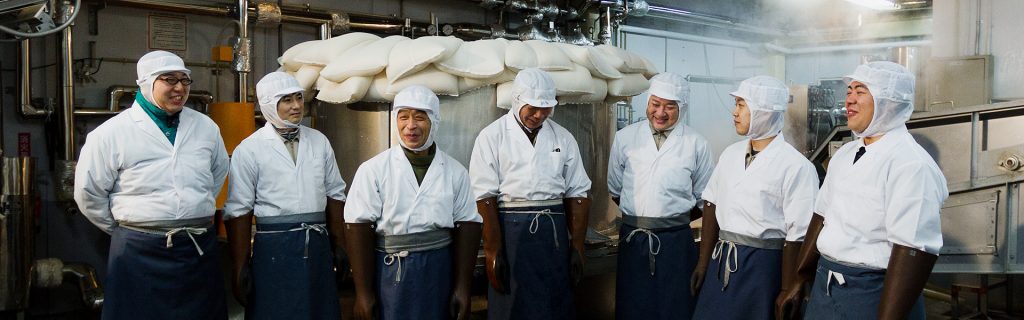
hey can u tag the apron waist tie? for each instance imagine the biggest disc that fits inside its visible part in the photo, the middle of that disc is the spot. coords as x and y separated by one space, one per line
840 280
730 266
651 225
535 222
188 231
391 258
397 247
727 242
652 249
307 227
169 228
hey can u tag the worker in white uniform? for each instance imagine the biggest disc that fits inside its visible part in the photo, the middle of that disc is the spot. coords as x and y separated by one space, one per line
412 230
149 177
656 173
286 176
531 188
876 222
757 206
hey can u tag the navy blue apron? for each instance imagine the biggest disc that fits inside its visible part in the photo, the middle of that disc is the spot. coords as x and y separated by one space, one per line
749 292
665 294
292 269
414 275
147 279
855 296
536 242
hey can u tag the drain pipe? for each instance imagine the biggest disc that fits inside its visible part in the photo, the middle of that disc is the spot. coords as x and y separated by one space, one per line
242 63
68 83
25 84
65 168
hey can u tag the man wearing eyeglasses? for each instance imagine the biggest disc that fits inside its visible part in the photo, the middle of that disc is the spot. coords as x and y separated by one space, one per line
148 177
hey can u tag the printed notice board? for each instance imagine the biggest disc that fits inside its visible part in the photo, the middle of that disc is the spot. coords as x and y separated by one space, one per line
168 32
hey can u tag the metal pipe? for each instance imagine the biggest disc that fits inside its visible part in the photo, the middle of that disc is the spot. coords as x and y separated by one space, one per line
325 31
683 15
848 47
68 99
88 285
25 85
680 36
242 54
168 7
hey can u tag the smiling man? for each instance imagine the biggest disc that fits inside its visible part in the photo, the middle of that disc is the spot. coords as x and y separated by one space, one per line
531 189
411 227
149 176
657 171
876 222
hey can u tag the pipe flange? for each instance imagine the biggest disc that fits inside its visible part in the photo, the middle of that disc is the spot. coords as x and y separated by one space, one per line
340 23
267 14
497 31
1013 162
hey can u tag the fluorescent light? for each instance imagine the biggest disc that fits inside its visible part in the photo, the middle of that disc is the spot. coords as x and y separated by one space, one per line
876 4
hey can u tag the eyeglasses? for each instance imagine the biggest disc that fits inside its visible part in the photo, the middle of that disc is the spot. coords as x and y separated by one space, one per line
173 81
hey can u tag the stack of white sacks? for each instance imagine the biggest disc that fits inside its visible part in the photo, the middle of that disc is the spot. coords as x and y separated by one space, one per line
364 67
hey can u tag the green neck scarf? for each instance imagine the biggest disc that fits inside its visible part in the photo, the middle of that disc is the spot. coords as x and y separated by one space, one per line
168 123
420 164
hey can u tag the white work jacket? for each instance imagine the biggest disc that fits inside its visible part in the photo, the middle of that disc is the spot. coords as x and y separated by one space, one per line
658 183
506 165
265 179
385 192
892 195
129 172
773 198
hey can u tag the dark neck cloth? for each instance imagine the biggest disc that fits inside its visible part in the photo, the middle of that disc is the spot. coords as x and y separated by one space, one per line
530 133
420 164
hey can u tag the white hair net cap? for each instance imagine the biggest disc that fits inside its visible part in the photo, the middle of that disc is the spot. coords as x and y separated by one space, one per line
421 98
767 99
154 64
270 90
892 87
533 87
671 86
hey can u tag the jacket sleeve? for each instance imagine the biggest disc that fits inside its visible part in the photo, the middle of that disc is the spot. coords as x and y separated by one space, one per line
95 175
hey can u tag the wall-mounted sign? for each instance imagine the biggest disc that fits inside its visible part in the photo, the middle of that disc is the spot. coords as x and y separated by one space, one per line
168 32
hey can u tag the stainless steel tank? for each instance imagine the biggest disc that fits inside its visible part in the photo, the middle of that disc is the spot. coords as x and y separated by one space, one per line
16 232
361 130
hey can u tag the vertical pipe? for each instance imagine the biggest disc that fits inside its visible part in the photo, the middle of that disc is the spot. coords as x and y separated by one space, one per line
325 31
243 40
68 82
974 147
25 66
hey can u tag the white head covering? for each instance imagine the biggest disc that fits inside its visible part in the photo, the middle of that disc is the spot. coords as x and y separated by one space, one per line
151 66
892 87
532 87
269 92
672 86
421 98
767 99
